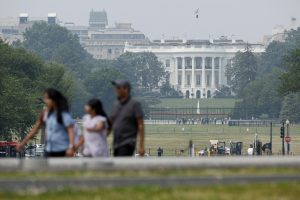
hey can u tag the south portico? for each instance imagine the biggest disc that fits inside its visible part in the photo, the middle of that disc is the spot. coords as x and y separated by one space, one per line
197 76
196 68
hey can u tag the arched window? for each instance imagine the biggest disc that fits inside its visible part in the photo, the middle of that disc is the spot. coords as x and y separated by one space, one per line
187 94
198 94
208 94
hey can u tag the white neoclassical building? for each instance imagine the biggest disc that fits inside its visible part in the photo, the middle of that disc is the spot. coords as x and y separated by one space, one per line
196 67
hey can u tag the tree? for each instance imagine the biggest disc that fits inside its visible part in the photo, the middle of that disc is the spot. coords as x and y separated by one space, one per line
142 69
272 57
291 108
167 91
98 84
278 71
290 79
224 92
55 43
23 78
243 71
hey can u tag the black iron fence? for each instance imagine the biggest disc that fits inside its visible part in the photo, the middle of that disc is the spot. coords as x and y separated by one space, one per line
189 113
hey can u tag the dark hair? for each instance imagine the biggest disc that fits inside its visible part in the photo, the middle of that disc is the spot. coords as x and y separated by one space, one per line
60 101
96 105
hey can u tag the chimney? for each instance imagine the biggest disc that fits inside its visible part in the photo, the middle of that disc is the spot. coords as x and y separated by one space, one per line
51 18
23 18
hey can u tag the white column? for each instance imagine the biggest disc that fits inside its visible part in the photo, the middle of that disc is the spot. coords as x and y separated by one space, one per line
193 74
227 64
176 73
220 72
203 82
213 85
183 73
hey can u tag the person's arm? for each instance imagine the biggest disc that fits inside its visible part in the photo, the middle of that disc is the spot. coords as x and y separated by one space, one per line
111 119
99 127
70 150
32 132
80 142
141 135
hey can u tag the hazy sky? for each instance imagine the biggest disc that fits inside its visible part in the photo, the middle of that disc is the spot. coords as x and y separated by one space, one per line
246 19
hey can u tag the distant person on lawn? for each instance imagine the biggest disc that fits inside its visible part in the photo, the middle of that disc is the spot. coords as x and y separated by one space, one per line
127 122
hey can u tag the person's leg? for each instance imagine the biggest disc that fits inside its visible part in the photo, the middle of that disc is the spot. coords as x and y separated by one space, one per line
116 152
124 151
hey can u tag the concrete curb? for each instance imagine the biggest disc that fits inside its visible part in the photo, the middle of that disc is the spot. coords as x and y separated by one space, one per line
65 164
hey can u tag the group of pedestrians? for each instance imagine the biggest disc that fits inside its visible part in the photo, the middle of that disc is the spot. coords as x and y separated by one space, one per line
125 122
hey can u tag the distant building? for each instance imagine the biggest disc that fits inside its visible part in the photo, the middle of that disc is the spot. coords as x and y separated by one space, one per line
12 29
102 41
279 32
196 67
80 31
98 20
109 43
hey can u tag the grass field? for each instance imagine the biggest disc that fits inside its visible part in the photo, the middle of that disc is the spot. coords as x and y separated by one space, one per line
189 103
172 138
270 191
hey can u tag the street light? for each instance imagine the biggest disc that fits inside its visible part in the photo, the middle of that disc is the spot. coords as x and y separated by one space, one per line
282 137
288 136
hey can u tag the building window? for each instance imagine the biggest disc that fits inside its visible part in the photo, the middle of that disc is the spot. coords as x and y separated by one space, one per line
217 80
179 80
208 62
188 63
198 79
188 79
109 51
208 80
167 63
198 63
179 63
217 63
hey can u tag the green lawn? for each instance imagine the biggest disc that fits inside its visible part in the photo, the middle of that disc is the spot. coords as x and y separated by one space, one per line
192 103
172 138
269 191
175 137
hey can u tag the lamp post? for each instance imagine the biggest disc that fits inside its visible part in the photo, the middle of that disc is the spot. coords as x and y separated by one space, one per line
271 137
288 136
282 137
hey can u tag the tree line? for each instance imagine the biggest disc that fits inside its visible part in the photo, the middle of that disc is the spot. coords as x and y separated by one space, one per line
268 83
51 56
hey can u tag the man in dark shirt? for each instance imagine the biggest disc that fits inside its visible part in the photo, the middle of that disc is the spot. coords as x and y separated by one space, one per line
127 121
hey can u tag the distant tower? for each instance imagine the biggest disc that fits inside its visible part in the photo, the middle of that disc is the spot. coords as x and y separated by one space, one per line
23 18
51 18
98 20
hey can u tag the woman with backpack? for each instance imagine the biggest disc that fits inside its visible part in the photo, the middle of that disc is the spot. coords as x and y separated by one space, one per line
58 123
